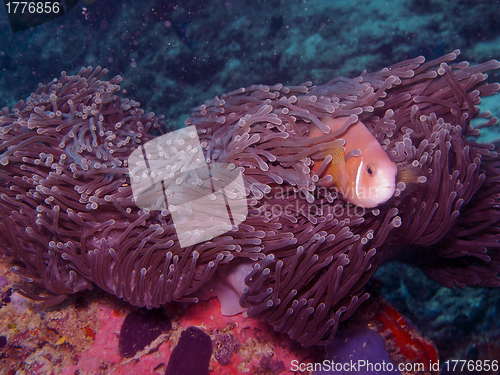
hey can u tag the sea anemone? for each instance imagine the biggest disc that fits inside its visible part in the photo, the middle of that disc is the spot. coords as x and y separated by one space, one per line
69 220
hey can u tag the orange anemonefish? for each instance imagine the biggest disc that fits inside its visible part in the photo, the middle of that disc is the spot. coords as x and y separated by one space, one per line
366 180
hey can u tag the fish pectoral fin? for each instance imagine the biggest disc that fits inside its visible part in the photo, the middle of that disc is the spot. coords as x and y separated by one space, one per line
337 167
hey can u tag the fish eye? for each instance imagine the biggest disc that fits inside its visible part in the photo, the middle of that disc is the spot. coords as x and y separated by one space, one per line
370 169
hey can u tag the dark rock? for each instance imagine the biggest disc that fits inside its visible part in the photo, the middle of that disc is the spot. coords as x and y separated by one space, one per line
140 328
192 354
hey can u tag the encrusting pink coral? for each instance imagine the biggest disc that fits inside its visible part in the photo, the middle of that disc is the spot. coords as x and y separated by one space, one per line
69 220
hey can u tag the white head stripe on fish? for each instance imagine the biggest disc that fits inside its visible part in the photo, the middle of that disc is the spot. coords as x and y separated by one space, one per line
358 177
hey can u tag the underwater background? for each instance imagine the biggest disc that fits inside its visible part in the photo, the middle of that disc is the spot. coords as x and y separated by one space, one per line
175 55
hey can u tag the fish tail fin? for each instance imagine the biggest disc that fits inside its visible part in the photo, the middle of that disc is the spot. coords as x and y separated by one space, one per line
410 175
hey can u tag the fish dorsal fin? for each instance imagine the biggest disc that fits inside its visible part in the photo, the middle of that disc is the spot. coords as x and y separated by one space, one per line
337 166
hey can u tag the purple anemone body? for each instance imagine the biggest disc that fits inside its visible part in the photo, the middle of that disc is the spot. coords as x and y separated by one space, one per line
67 213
